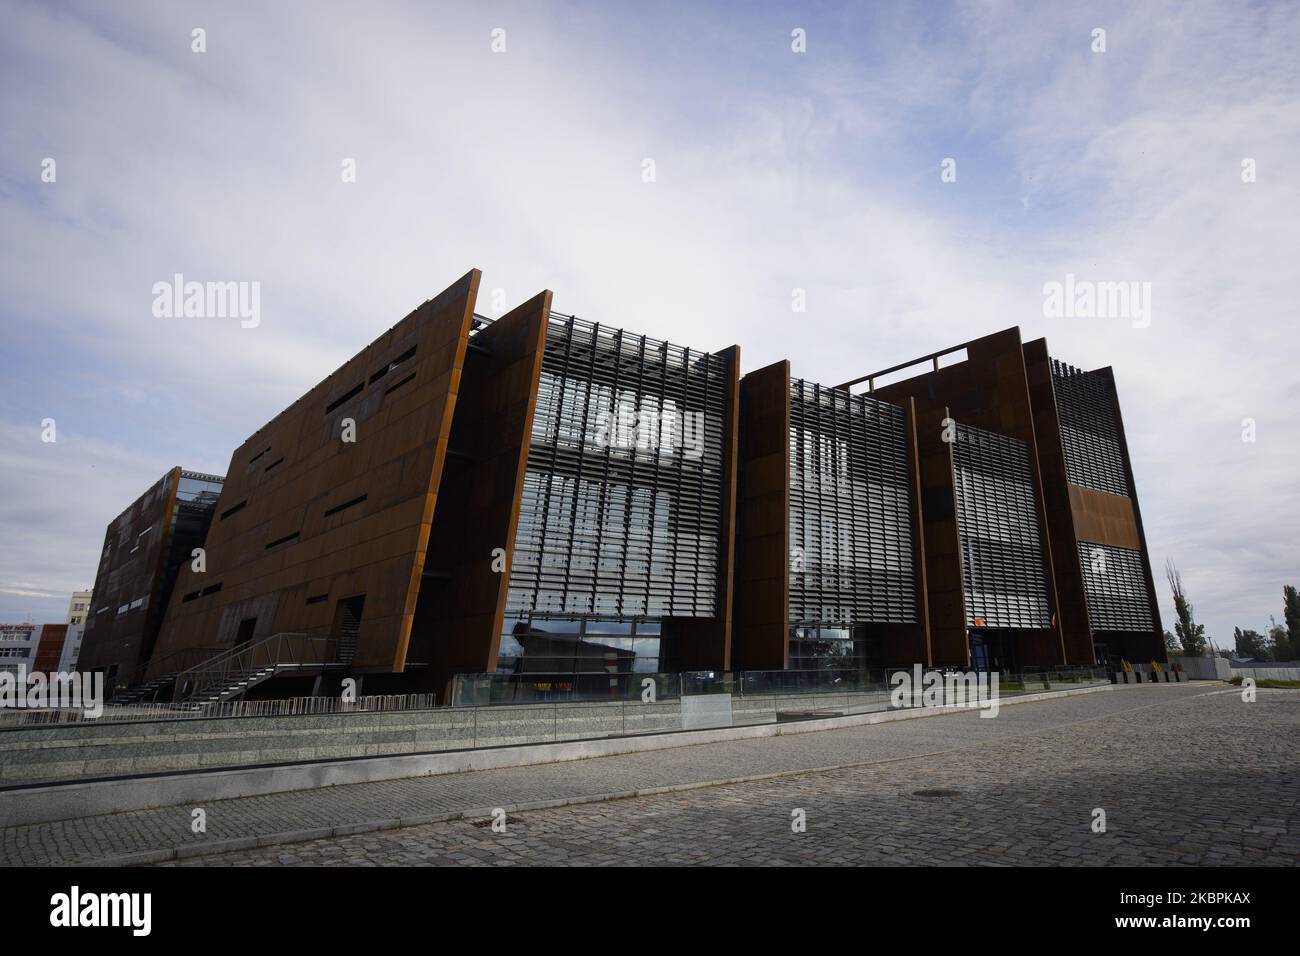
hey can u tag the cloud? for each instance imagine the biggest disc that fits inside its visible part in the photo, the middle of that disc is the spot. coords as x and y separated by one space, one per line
775 172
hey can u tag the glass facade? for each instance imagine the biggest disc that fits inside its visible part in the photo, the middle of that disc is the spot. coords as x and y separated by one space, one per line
579 646
852 538
620 521
1116 588
1094 456
1003 573
198 489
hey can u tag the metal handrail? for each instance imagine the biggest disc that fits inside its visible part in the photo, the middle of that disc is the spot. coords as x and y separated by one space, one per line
284 649
156 667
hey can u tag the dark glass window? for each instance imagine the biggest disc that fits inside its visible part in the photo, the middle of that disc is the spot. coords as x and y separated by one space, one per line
584 646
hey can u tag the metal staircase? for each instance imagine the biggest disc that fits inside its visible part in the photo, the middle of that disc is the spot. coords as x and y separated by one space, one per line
232 673
148 692
151 682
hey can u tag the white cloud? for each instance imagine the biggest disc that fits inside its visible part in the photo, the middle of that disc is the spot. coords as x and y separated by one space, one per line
775 172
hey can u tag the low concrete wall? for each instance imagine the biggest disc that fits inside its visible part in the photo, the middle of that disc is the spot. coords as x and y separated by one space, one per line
35 753
75 799
1263 672
46 753
1209 667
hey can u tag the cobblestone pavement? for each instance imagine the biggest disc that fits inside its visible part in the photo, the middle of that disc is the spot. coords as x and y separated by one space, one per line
1203 779
1184 775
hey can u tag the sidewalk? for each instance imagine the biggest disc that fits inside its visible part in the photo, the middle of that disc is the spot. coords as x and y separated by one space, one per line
160 834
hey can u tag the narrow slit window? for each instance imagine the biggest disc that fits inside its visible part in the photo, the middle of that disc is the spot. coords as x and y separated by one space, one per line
396 385
356 390
404 357
347 504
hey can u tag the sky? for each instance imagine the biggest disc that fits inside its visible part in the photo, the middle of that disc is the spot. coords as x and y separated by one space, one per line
773 171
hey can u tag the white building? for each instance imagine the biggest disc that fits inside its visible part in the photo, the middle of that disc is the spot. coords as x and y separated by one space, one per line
71 648
79 607
18 646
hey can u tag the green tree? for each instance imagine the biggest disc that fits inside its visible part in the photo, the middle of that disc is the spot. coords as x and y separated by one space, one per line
1282 650
1191 634
1172 644
1251 644
1291 614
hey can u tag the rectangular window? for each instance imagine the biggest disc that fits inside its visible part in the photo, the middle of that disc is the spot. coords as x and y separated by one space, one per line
405 356
352 393
396 385
233 509
347 504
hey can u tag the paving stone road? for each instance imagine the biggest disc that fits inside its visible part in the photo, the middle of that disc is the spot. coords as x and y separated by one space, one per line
1200 780
1184 775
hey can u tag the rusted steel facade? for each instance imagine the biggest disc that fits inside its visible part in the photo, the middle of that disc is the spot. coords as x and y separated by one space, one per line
1029 503
558 497
144 548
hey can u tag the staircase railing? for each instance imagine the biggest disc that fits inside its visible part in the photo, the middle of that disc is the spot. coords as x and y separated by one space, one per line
277 651
176 661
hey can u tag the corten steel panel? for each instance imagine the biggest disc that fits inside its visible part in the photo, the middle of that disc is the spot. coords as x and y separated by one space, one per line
352 518
462 600
989 390
909 644
1104 519
761 637
130 567
705 643
944 593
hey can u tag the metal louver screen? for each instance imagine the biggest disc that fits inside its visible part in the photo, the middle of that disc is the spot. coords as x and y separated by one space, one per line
1094 457
622 504
1003 574
851 532
1116 588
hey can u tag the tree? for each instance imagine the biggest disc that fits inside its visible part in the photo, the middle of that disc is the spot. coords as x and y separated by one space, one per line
1172 644
1251 644
1191 634
1291 614
1282 650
